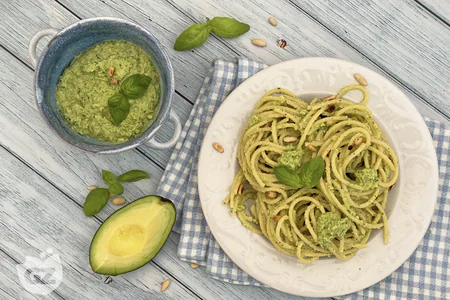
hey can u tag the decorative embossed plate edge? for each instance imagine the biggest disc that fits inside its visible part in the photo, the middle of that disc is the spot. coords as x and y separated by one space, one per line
410 205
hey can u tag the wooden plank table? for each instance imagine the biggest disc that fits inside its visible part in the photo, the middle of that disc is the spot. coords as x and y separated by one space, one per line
43 181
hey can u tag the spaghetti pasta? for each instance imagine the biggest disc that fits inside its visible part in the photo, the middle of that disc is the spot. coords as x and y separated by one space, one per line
336 217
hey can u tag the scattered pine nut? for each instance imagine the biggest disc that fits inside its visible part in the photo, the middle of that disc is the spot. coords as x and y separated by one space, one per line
273 21
194 266
312 148
111 71
92 187
357 141
240 189
259 43
361 80
290 139
114 81
329 98
118 201
111 195
271 194
218 147
165 285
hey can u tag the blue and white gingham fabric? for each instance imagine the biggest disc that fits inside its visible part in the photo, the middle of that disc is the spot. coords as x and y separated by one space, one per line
425 275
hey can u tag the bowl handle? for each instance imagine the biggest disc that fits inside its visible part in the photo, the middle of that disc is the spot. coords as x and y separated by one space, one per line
173 117
35 40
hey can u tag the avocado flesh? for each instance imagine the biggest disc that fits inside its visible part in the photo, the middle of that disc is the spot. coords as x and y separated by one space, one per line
132 236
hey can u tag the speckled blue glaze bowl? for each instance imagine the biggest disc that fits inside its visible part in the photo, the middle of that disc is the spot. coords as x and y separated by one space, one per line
69 42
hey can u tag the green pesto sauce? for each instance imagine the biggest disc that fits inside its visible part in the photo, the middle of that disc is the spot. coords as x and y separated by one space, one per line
367 178
85 86
292 159
254 120
331 226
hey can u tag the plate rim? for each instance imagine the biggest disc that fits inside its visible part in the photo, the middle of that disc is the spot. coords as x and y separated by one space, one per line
428 137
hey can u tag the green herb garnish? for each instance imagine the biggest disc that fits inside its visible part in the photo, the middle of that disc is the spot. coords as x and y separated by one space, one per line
197 34
133 87
95 201
98 198
132 176
309 176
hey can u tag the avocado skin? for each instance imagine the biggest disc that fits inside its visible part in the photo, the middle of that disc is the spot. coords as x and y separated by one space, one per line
154 198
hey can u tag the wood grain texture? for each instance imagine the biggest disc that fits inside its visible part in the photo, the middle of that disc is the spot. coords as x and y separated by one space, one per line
32 208
71 171
304 25
399 36
441 8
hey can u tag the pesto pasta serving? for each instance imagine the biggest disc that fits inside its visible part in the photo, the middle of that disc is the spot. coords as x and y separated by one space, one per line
314 177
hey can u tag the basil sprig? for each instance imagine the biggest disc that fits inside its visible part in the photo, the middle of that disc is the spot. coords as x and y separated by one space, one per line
97 198
197 34
133 87
310 174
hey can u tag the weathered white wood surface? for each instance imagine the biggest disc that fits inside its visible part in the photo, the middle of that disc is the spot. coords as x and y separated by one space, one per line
440 8
43 181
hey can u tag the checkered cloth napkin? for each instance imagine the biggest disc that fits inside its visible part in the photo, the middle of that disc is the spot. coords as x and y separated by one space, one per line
425 275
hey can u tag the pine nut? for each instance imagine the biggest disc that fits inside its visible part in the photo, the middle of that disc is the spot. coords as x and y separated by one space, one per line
312 148
111 71
218 147
259 43
357 141
118 201
194 266
329 98
273 21
165 285
289 139
92 187
361 80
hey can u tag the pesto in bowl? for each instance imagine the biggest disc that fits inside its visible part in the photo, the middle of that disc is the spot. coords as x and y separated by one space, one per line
93 77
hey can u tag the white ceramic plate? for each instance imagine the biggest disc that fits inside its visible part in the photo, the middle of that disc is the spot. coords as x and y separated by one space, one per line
410 204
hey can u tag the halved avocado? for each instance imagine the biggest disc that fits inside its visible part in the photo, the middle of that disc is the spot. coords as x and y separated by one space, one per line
132 236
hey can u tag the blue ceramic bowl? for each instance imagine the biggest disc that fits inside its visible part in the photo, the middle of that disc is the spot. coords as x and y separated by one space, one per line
69 42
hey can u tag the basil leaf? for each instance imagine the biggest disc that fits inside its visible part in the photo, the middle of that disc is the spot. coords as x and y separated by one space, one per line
312 171
135 86
116 188
108 177
119 107
95 201
192 37
133 175
228 27
287 176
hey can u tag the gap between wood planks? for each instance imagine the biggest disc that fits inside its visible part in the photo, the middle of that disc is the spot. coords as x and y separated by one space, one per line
98 220
391 76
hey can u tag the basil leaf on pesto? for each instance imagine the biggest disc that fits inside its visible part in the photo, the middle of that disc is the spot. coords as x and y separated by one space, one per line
312 171
95 201
116 188
192 37
119 107
108 177
133 176
135 86
228 27
287 176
